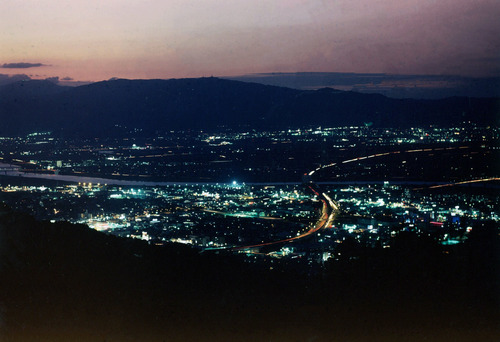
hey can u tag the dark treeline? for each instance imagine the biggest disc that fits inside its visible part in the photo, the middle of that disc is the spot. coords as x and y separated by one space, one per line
66 282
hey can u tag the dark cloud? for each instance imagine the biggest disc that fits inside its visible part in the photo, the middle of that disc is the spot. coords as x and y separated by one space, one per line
64 81
54 79
71 82
74 83
21 65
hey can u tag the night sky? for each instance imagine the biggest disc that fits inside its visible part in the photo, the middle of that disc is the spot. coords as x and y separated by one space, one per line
90 40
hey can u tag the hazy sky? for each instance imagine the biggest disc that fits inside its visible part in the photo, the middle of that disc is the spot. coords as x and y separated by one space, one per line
96 39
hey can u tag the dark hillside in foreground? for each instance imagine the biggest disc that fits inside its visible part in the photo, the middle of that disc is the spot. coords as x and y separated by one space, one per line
122 106
62 282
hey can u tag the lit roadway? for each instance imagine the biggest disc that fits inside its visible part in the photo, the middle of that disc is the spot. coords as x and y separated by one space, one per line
386 154
331 208
412 151
328 213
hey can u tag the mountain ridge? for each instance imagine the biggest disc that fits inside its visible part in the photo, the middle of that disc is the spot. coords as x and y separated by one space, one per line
208 103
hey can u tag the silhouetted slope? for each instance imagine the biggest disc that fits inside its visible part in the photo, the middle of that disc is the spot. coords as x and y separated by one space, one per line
32 89
66 282
119 106
23 105
328 106
173 104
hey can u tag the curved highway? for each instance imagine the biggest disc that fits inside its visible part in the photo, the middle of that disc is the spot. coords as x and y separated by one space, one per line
331 208
328 213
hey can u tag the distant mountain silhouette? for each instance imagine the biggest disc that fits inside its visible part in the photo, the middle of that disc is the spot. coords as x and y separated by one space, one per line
117 106
392 85
31 89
